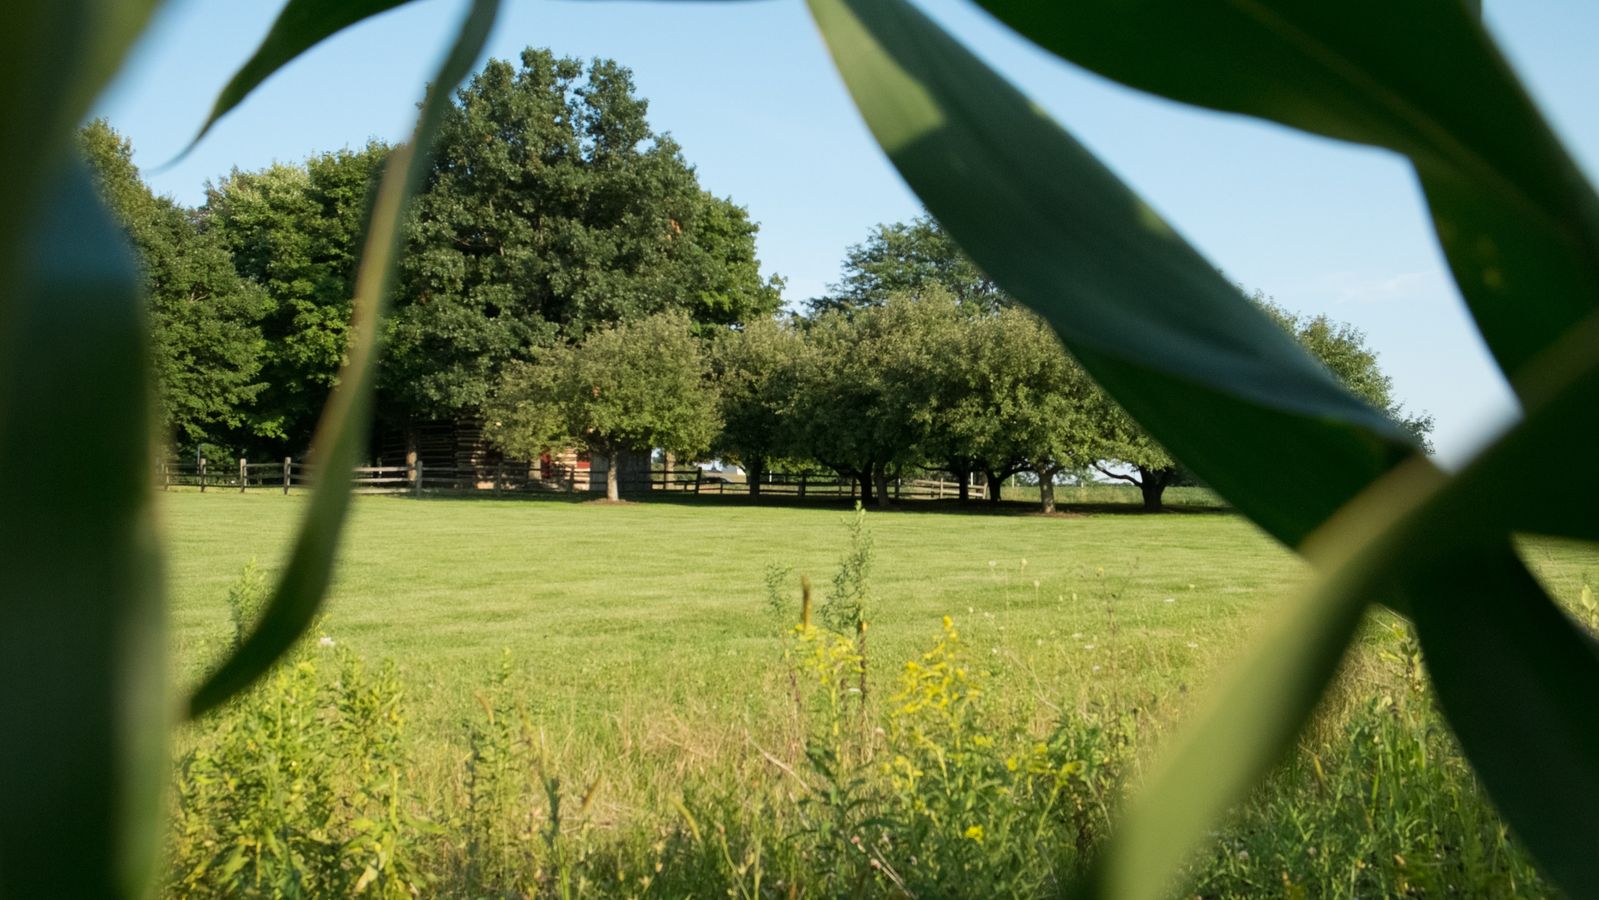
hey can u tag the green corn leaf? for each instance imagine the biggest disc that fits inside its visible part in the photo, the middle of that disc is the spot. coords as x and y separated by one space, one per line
1165 334
957 133
1516 680
55 57
1155 324
341 433
1514 675
300 25
1514 215
1249 723
82 648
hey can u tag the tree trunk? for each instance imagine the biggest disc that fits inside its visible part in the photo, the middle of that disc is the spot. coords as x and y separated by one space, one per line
613 472
1152 484
995 482
754 469
865 480
963 481
1046 489
880 477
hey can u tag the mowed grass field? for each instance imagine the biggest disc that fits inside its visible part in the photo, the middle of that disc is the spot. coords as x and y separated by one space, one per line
648 664
665 602
628 616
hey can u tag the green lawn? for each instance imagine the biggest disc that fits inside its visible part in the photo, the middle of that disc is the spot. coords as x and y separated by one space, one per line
667 599
649 664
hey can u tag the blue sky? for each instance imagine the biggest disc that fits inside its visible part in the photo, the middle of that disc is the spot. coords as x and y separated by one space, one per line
749 92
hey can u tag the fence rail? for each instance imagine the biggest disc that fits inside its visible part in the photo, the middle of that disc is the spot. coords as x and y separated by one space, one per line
242 476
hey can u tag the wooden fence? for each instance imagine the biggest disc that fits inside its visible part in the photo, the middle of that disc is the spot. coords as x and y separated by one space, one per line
243 475
807 484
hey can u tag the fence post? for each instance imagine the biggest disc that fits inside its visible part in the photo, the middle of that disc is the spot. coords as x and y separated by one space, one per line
499 473
419 476
897 482
803 476
244 473
699 475
166 475
287 462
202 474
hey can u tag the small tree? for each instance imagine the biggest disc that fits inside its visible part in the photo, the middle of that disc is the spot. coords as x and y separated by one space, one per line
755 369
630 387
1341 347
1004 390
865 397
1118 439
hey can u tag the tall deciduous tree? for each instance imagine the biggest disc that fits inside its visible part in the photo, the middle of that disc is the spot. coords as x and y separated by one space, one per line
552 209
629 387
908 258
296 231
204 318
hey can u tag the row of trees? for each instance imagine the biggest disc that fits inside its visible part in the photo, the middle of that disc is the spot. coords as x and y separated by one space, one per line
919 379
560 256
552 209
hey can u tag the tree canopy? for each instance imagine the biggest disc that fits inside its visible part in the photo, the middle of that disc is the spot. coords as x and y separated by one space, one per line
756 371
553 208
206 338
295 230
909 258
634 386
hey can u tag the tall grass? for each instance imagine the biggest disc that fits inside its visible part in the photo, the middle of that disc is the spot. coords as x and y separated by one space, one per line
309 784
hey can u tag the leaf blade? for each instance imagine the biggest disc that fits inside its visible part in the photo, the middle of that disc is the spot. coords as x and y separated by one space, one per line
1147 316
1516 219
55 57
918 98
82 645
339 435
300 25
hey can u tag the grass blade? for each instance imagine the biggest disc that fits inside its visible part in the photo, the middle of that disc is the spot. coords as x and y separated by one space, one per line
341 433
1517 220
82 650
